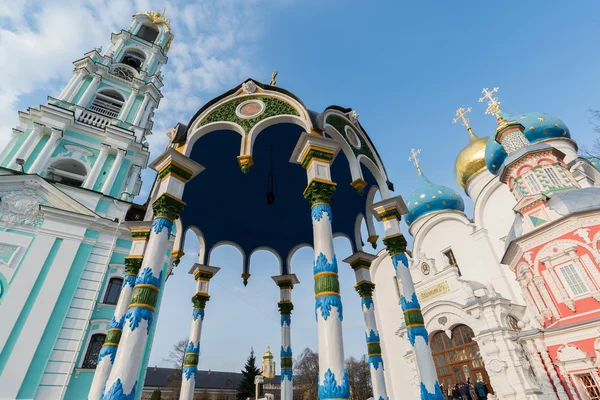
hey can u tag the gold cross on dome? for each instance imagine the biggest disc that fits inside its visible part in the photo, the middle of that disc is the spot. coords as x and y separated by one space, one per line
493 102
461 114
273 76
414 159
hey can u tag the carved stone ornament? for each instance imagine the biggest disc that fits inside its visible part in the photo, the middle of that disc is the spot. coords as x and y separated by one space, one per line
495 365
249 87
21 208
570 353
353 116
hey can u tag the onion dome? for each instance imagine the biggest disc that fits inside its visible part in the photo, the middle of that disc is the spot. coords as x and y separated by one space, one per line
268 353
429 197
538 127
471 160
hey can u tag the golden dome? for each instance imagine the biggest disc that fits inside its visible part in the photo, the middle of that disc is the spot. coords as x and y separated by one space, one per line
471 160
268 353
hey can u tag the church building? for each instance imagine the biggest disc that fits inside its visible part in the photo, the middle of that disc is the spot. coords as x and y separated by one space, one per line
509 296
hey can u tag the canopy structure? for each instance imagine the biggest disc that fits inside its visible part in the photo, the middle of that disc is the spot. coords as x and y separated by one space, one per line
255 128
256 169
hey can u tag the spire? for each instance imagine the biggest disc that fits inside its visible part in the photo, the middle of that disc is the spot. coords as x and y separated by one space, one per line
414 159
461 114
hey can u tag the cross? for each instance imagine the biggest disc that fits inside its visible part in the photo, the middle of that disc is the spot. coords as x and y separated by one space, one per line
493 103
461 115
413 158
273 76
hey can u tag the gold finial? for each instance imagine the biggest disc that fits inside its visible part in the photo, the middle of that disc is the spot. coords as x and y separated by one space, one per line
493 102
164 12
414 159
461 114
273 76
157 18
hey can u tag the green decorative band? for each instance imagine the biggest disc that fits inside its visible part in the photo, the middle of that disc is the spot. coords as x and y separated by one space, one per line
113 336
199 300
327 283
176 170
205 276
360 263
132 266
395 244
390 214
191 359
286 285
313 153
167 206
285 307
374 349
139 235
319 192
286 363
145 295
413 316
365 289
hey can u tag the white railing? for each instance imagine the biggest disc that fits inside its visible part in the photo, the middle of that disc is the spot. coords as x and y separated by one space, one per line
105 109
92 118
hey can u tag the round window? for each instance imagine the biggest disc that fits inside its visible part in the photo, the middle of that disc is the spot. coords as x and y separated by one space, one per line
352 137
250 109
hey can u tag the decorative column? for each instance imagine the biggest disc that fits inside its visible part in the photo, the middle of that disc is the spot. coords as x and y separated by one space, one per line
67 92
361 263
141 110
127 106
14 138
127 195
202 274
389 211
286 284
140 232
40 162
540 370
114 170
560 293
560 390
28 145
174 169
89 92
539 283
315 153
98 164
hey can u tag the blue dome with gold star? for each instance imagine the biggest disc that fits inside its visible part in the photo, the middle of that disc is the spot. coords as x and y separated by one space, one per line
538 127
429 197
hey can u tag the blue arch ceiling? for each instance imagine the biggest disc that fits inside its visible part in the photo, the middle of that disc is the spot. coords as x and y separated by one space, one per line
227 205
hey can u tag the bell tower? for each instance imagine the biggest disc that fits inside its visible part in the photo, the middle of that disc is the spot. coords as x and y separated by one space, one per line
93 135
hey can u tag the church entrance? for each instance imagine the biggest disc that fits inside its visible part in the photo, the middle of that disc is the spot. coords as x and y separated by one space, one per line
458 359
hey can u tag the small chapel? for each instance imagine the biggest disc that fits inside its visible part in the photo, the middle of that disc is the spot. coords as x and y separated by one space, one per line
504 297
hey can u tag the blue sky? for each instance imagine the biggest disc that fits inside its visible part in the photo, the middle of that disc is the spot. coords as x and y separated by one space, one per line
403 66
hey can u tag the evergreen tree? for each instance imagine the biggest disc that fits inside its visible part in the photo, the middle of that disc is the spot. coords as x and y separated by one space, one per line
250 371
156 395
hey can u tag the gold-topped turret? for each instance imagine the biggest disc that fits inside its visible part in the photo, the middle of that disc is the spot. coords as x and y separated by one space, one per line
157 18
471 159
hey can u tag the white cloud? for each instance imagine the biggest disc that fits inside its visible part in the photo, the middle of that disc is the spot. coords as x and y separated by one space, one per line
42 38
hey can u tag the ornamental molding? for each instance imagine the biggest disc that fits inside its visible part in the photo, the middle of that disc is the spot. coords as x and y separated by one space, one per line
21 207
570 352
249 87
564 246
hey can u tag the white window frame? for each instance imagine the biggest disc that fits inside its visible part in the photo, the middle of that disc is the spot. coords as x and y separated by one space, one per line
534 182
583 393
552 175
103 329
566 284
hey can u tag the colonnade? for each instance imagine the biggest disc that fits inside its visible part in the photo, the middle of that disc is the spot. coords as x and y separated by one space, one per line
315 153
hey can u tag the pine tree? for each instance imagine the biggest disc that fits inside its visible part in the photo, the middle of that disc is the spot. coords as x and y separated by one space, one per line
250 371
156 395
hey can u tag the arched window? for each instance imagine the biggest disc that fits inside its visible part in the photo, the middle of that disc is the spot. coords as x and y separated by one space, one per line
108 102
113 290
458 359
134 59
67 171
148 33
93 350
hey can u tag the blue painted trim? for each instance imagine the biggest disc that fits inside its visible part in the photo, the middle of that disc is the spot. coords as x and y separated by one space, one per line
286 353
59 313
146 278
418 331
321 264
372 337
116 392
287 374
436 395
136 314
193 349
102 206
319 209
367 302
286 319
198 313
129 280
114 324
400 258
189 371
412 303
37 286
376 362
330 389
325 303
159 223
110 351
119 182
